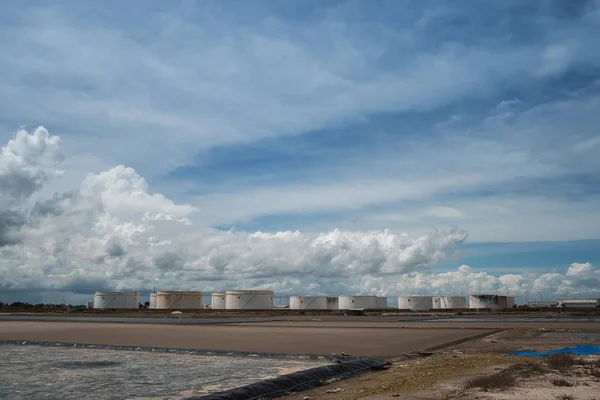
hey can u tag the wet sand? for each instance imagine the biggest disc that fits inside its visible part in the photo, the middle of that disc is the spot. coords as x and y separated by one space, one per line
285 339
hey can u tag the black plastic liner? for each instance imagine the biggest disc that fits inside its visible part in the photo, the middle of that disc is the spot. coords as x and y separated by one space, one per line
298 381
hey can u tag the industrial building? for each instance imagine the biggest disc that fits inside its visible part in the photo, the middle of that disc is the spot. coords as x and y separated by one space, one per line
117 300
449 302
542 304
178 300
415 303
578 303
249 300
313 303
218 301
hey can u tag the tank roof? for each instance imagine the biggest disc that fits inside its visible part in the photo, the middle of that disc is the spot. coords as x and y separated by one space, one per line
250 291
117 292
179 292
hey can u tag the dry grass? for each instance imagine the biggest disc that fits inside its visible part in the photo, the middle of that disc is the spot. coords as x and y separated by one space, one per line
528 369
561 383
499 380
595 372
561 362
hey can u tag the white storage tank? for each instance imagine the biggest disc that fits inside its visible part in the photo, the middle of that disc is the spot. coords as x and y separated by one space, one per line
90 304
333 303
510 301
449 302
117 300
313 303
415 303
152 302
352 302
484 301
178 300
218 301
249 299
578 303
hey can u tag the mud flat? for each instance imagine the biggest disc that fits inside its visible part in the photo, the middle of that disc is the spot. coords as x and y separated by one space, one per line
369 341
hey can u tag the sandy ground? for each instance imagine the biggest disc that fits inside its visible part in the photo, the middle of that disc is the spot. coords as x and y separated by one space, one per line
367 322
443 375
356 340
455 358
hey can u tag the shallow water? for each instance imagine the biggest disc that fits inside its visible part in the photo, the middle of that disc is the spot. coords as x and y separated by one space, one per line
35 372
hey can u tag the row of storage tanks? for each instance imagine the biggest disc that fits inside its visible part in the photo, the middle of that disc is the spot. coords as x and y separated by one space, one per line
187 300
414 303
263 300
476 301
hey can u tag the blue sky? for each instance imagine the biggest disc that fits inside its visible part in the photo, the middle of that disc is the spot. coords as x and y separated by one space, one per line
322 115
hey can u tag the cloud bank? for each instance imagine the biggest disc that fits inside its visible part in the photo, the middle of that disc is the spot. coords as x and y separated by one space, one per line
114 233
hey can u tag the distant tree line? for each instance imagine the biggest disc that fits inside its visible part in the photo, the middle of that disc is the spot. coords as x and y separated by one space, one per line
39 306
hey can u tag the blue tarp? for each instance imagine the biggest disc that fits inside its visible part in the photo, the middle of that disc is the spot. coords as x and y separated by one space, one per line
584 350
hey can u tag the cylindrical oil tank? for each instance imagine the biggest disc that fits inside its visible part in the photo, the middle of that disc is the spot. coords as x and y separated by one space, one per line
249 299
484 301
510 301
152 302
415 303
351 302
178 300
120 300
308 303
381 302
218 301
333 303
449 302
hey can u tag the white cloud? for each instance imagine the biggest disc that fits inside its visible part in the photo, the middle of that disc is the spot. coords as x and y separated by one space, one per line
26 163
114 232
130 96
136 88
445 212
579 269
556 58
465 280
122 191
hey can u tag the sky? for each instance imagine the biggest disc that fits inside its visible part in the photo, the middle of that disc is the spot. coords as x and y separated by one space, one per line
308 147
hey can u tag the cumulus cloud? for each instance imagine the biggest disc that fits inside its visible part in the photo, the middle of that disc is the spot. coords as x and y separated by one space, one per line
123 192
26 162
115 233
580 280
579 269
10 223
